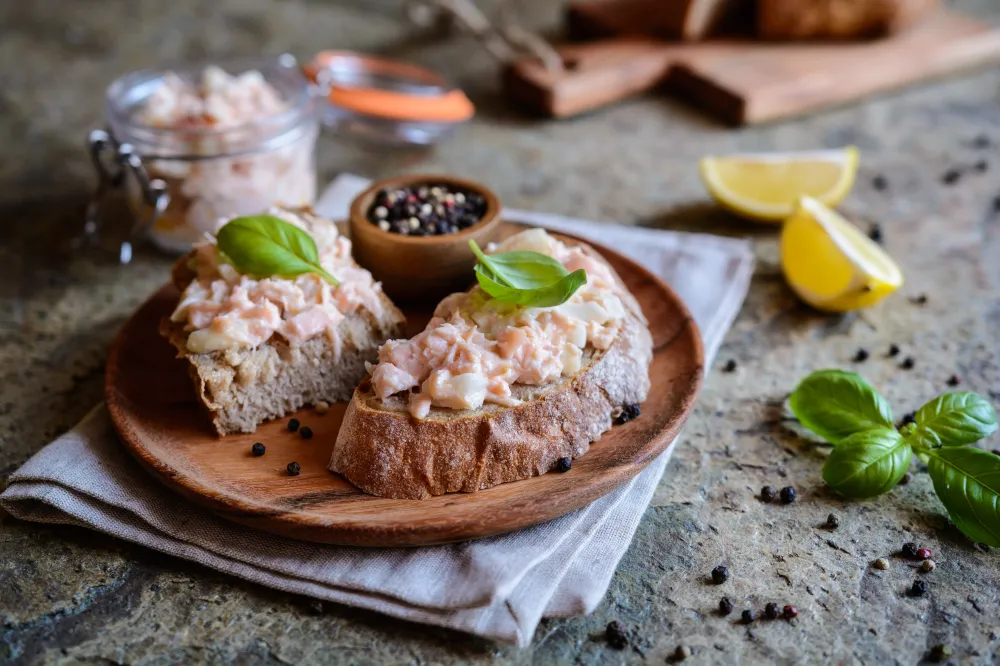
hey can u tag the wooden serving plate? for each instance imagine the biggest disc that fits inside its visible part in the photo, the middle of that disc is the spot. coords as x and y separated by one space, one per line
153 408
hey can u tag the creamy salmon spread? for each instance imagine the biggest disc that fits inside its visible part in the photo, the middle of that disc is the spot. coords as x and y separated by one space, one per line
475 347
224 309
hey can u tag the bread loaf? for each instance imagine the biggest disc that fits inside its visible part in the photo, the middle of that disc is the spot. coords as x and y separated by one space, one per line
837 19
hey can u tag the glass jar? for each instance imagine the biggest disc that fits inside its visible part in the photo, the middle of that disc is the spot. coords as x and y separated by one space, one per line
243 143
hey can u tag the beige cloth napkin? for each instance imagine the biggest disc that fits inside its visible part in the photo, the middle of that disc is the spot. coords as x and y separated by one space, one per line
499 587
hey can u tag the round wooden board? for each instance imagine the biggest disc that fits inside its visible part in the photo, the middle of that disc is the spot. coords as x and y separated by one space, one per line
153 407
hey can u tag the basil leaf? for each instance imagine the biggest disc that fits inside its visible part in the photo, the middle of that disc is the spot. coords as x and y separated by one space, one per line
526 278
954 419
835 404
967 481
868 463
265 246
546 297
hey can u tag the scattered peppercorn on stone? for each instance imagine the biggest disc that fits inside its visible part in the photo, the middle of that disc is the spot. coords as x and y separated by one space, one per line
790 612
725 606
924 554
306 432
788 495
882 564
293 425
940 653
564 464
771 611
927 566
747 616
616 635
768 493
919 588
832 521
258 449
720 575
682 652
909 550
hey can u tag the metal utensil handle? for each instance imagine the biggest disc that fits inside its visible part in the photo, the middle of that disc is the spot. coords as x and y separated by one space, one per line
111 175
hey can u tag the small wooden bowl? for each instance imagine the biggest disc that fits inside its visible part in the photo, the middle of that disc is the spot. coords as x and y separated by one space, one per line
420 268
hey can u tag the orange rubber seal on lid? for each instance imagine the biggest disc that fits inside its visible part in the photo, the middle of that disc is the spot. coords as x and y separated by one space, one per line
432 100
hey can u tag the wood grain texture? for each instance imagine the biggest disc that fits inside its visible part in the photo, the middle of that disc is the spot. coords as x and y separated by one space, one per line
153 408
750 82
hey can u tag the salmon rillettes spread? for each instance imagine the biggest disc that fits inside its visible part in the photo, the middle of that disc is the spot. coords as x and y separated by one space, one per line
224 309
476 347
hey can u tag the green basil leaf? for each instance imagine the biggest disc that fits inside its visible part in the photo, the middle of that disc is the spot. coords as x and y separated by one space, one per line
265 246
868 463
835 404
545 297
967 481
526 278
954 419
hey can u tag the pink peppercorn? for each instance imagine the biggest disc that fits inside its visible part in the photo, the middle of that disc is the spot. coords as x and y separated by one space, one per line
924 554
790 611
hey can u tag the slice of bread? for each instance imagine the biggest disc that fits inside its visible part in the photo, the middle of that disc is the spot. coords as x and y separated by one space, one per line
241 388
838 19
385 451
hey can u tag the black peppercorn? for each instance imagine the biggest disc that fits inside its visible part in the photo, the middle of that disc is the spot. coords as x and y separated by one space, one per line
982 166
633 410
909 550
725 606
861 356
880 183
908 363
616 635
747 616
768 493
720 575
621 418
564 464
832 521
788 495
894 349
908 418
730 366
954 380
875 233
293 425
919 588
919 300
306 432
257 449
906 479
940 653
951 176
771 611
293 469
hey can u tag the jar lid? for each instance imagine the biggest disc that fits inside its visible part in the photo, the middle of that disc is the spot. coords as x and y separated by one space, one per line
387 99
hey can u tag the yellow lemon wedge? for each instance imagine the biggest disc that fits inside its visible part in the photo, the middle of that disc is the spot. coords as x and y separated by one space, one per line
831 264
768 186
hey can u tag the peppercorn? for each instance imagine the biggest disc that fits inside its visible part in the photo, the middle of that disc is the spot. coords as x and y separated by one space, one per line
616 635
322 407
951 176
875 233
940 652
564 464
788 495
919 300
919 588
928 566
426 210
771 611
882 563
893 349
306 432
720 575
730 366
954 380
909 550
880 183
982 166
258 449
906 479
747 616
790 612
768 493
908 363
908 418
725 606
633 410
682 652
293 425
622 418
924 554
861 356
293 469
832 521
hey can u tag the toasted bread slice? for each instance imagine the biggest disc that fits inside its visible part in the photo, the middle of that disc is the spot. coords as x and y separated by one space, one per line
242 388
385 451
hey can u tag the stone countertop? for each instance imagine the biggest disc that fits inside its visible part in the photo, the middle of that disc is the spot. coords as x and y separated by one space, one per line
71 596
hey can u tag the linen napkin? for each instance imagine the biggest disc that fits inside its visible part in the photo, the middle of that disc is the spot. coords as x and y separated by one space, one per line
499 587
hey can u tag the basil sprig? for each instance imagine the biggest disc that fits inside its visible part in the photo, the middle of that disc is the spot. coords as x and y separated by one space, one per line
266 246
870 455
526 278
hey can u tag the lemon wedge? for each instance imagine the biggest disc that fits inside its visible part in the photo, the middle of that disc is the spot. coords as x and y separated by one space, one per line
768 186
831 264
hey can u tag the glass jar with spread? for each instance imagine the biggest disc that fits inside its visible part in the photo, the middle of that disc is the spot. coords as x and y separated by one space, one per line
218 140
194 144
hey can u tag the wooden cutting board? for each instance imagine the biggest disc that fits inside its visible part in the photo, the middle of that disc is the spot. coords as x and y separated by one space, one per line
158 417
748 82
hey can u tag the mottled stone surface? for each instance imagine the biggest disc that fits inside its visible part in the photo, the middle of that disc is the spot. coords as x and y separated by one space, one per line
70 596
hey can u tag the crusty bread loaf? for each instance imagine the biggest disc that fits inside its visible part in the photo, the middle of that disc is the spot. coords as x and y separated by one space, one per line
688 20
837 19
384 451
242 388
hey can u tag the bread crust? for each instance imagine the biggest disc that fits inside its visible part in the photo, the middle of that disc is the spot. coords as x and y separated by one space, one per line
838 19
385 451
